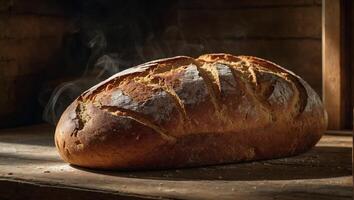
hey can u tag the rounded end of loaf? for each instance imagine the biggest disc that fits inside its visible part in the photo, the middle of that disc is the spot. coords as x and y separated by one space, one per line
105 141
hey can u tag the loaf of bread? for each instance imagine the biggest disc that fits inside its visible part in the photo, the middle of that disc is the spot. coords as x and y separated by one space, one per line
181 111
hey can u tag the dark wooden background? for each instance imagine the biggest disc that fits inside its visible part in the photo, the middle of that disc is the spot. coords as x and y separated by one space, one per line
44 43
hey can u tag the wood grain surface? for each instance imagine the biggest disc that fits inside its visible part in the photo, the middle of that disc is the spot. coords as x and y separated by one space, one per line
337 66
30 168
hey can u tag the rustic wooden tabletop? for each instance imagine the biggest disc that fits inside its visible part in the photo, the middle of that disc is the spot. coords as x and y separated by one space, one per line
30 168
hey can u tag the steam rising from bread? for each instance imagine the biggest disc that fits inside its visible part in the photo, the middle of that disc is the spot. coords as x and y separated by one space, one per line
101 64
138 32
98 68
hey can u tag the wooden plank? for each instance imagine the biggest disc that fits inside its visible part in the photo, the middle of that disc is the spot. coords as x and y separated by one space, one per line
336 66
351 56
227 4
332 62
28 159
29 56
30 26
301 56
41 7
279 22
29 43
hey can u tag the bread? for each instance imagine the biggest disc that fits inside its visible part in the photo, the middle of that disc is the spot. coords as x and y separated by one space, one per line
180 112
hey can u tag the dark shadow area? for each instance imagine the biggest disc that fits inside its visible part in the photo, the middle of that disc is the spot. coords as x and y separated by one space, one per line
320 162
34 191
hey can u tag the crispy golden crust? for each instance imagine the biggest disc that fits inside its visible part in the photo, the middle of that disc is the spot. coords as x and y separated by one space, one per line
181 111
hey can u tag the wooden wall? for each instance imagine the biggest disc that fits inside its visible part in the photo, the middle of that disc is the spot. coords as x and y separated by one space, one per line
44 41
287 32
31 34
338 63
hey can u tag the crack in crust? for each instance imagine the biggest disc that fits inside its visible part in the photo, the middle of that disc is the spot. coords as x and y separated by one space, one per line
253 76
117 79
80 120
247 88
178 102
248 62
214 79
287 75
209 81
244 73
159 82
303 96
116 111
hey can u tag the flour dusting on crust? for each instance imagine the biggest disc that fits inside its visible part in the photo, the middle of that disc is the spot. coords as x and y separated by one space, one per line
192 89
227 80
132 70
159 106
282 93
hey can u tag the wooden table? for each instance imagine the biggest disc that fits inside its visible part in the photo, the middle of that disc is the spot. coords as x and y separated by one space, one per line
30 168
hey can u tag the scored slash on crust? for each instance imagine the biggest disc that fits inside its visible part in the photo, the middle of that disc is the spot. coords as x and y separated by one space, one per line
116 111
